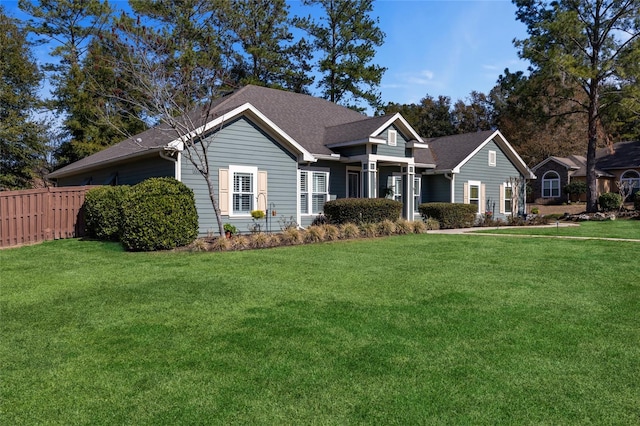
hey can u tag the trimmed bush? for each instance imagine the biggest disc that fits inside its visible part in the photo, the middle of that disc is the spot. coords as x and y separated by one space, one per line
103 212
362 210
159 214
450 215
636 201
609 201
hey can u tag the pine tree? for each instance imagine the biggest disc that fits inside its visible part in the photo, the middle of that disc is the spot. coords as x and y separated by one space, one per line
22 144
345 37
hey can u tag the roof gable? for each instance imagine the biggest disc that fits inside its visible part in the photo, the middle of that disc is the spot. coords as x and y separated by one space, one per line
452 152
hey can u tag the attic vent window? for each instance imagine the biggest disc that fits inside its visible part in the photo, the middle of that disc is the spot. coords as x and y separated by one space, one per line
392 138
492 158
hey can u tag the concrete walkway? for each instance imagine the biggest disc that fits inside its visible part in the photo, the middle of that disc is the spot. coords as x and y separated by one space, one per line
472 231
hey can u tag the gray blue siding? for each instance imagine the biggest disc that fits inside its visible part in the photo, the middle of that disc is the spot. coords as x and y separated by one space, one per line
128 173
242 143
436 189
395 151
477 169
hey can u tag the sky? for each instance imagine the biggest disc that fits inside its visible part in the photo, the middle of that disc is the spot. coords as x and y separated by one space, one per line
433 47
446 47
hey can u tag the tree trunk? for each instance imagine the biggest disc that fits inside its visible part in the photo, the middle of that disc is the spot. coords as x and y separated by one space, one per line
592 180
214 203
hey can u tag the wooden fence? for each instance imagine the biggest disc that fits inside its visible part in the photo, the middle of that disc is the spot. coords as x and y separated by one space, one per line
35 215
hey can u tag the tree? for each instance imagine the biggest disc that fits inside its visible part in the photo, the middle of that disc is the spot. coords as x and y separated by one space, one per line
269 57
346 38
537 123
430 118
475 116
585 45
71 26
22 144
170 75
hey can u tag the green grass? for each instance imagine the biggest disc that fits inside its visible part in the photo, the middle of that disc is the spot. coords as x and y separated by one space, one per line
629 229
419 329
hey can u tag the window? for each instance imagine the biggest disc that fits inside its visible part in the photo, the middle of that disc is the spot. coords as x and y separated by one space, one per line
631 179
492 158
551 185
243 184
353 184
396 187
508 198
242 192
392 138
417 189
474 195
314 191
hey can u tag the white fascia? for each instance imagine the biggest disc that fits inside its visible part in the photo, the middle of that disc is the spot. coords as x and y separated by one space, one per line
370 139
403 124
253 112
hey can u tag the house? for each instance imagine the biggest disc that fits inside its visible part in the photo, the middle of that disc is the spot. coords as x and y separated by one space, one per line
288 153
618 163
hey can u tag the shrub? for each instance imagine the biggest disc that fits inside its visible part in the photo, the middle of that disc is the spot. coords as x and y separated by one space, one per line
260 240
610 201
362 210
331 232
419 227
291 236
450 215
159 214
314 234
103 212
403 227
369 230
386 227
349 230
431 224
240 242
575 188
220 244
636 201
319 220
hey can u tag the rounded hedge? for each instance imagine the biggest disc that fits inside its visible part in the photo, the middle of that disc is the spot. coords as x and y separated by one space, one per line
610 201
450 215
159 214
103 212
362 210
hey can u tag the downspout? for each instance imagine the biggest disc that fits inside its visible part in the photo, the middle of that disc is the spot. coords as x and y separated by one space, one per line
178 167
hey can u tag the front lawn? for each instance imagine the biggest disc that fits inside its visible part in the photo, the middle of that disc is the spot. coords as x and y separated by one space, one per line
417 329
629 229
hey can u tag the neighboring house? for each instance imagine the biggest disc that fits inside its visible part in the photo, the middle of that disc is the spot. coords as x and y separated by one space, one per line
288 153
620 163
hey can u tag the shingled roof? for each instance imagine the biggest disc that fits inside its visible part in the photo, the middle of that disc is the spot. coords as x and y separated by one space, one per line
622 155
449 151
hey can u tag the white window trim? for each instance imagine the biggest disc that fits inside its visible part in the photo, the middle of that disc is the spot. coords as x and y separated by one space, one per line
479 185
243 169
396 178
545 178
635 180
417 199
311 170
504 196
492 158
392 137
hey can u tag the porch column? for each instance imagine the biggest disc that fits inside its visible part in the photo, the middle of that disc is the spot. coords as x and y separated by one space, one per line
369 179
408 173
